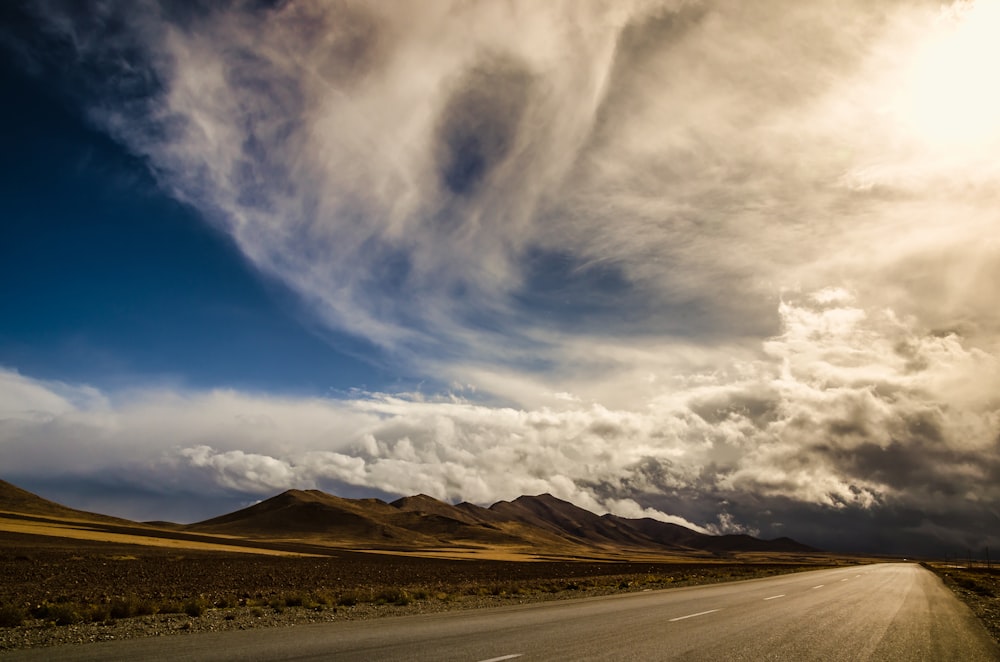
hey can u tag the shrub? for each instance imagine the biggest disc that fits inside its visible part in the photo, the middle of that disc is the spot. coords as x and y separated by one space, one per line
98 613
194 608
347 599
12 616
168 607
394 596
227 601
63 614
123 607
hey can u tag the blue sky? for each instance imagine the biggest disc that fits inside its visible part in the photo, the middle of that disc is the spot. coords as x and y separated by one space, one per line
111 282
733 266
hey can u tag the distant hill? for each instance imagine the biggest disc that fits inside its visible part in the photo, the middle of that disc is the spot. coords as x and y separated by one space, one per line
298 513
16 500
543 524
666 533
577 523
565 519
542 521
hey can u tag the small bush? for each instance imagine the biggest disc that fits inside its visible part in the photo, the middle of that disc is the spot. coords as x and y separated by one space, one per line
64 614
227 601
393 596
12 616
145 608
256 612
194 608
168 607
99 613
347 599
123 607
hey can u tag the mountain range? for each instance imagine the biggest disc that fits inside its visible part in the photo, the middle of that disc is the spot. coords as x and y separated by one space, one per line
541 524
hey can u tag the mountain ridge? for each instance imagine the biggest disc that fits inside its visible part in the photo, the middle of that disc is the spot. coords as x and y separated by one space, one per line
541 524
542 519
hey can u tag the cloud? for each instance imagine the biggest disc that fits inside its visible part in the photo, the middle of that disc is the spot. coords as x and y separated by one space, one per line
845 412
732 262
658 167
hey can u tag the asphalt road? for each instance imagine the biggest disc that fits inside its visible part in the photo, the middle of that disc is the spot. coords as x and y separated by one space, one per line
881 612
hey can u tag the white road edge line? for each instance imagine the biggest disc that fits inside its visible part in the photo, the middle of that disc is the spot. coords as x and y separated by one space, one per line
700 613
503 657
820 586
775 597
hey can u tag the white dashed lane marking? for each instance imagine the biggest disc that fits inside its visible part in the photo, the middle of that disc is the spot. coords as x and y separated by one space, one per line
503 657
820 586
700 613
775 597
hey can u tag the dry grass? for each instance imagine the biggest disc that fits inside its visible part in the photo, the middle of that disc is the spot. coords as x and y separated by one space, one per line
89 531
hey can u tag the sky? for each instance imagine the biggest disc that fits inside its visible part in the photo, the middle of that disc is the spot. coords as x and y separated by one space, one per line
730 265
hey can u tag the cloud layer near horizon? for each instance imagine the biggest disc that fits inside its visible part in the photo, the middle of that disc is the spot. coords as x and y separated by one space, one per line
736 262
845 413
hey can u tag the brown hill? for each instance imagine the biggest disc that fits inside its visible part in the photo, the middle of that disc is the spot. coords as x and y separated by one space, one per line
666 533
312 513
425 505
663 533
16 500
577 524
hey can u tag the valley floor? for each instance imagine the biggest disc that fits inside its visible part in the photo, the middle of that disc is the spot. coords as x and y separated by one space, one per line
55 590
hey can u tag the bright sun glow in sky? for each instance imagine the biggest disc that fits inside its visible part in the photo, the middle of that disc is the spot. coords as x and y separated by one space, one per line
948 95
730 264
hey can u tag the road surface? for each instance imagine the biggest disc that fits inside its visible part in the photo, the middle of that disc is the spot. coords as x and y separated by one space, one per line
880 612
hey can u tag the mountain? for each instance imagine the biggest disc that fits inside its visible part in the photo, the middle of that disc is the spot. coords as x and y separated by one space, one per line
427 506
13 499
566 519
541 525
312 513
419 521
666 533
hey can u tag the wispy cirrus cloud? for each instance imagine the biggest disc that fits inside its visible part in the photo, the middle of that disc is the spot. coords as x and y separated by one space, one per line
491 181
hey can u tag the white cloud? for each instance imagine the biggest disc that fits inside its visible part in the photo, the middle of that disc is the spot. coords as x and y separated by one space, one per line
859 413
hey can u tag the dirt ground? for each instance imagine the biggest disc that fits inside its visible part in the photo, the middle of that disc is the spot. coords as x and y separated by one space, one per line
35 570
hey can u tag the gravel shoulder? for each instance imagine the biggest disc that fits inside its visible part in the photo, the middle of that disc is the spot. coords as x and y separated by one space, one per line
978 587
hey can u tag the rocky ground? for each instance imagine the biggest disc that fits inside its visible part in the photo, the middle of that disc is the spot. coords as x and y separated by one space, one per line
54 592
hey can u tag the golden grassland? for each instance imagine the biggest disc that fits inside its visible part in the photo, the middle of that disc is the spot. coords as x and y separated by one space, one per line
76 529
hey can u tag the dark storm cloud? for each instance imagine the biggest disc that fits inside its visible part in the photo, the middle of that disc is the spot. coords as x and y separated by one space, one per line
480 123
